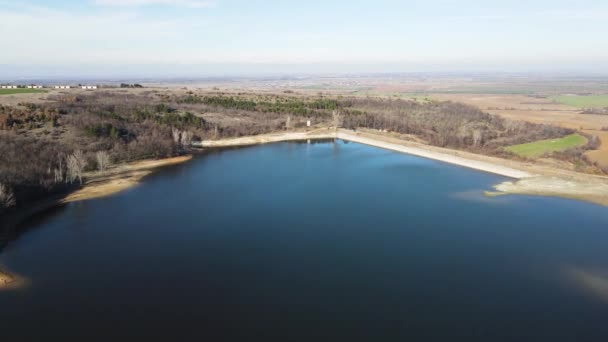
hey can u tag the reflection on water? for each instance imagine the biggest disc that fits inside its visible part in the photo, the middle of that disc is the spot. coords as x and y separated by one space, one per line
594 282
327 241
480 196
11 227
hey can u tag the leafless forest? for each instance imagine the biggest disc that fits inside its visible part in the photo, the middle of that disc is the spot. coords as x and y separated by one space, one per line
45 148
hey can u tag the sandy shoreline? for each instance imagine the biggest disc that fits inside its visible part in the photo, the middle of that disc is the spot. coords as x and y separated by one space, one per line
119 178
10 281
415 149
527 178
270 138
436 155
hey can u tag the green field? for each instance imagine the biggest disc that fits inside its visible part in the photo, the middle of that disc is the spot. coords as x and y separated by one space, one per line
20 91
539 148
591 101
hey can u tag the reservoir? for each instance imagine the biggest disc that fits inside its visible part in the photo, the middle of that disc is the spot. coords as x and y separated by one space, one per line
324 241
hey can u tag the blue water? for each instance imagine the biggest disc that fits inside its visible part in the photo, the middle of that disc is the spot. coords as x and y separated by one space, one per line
312 242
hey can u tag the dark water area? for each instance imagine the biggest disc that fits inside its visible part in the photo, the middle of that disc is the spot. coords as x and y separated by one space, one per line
320 242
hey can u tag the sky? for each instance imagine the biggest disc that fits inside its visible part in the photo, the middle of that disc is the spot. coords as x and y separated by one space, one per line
222 37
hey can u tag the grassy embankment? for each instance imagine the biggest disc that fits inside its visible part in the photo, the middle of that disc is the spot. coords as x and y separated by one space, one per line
591 101
539 148
20 91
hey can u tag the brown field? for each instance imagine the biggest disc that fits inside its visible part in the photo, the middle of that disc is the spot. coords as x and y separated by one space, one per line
540 110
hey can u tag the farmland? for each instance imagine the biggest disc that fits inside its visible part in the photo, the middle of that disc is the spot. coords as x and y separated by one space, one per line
20 91
590 101
539 148
542 111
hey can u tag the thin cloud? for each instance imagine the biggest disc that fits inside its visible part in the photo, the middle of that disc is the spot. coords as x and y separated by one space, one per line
580 14
138 3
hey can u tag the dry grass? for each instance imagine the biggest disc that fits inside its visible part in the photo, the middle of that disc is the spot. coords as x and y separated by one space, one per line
544 111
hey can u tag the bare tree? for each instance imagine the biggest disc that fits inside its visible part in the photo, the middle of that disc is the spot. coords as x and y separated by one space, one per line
58 172
7 198
288 122
477 137
594 142
186 138
76 163
337 119
176 135
103 160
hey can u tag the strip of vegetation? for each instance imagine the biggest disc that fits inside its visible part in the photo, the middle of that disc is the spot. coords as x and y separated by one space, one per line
314 108
539 148
583 101
20 91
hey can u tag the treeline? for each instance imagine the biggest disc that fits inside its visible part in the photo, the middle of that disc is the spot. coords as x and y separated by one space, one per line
447 124
134 85
26 171
38 143
293 106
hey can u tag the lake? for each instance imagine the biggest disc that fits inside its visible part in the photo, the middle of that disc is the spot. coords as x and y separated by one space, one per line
324 241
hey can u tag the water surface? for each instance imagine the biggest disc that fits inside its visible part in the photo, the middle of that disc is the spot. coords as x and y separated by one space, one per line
307 242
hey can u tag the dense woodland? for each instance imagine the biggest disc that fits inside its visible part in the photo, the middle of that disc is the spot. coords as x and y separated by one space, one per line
46 148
